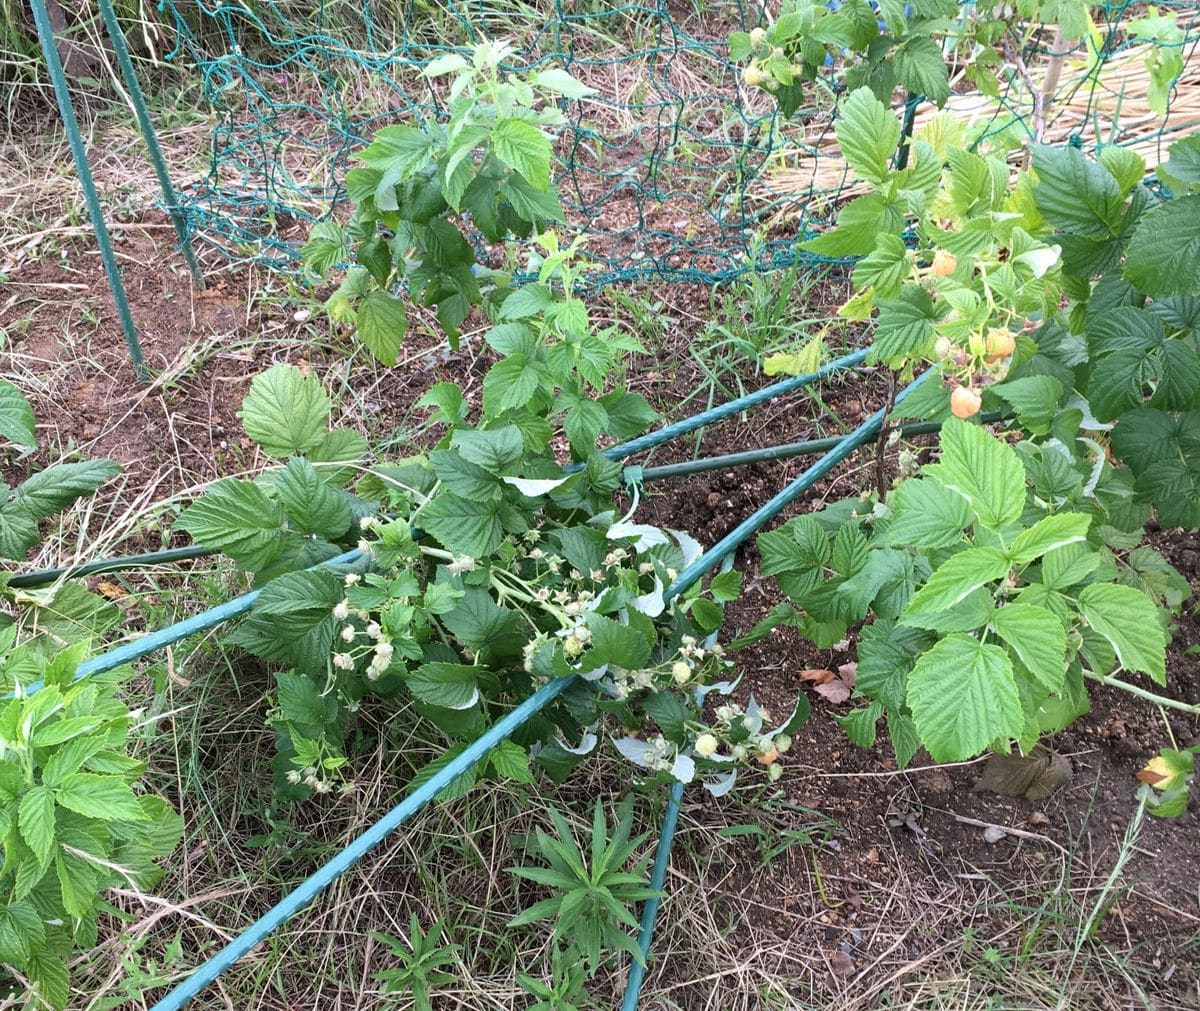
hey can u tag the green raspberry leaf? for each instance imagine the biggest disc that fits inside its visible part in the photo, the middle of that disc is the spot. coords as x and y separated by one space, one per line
926 515
238 518
1128 619
921 68
311 504
16 416
35 819
107 798
525 149
449 685
1048 533
286 412
1076 194
463 526
1038 640
1164 254
956 579
868 133
983 470
382 323
963 698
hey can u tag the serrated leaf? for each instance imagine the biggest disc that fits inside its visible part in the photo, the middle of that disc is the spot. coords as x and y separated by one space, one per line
926 515
53 489
311 504
462 477
17 423
1163 257
449 685
21 932
904 329
495 450
460 786
963 698
511 761
35 820
1048 533
885 268
1037 638
868 133
921 68
1076 194
525 149
447 399
510 384
382 323
238 518
286 412
616 644
984 470
1034 398
799 546
299 699
1125 165
957 578
886 653
104 797
1128 619
463 526
336 458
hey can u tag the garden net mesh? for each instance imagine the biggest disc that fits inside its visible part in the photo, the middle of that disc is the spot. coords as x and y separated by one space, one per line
675 170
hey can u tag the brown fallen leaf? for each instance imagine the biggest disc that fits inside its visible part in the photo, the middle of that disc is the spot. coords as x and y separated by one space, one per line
841 964
818 675
836 691
1034 776
110 590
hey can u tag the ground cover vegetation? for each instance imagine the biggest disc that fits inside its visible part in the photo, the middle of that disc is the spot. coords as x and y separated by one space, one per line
984 584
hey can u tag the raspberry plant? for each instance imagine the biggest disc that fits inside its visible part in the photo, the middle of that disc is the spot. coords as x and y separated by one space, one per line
992 585
486 569
487 158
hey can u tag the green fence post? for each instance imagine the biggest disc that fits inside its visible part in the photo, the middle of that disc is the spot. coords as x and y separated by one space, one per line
62 96
150 136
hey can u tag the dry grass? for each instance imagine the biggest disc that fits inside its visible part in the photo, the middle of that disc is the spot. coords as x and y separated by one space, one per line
1103 104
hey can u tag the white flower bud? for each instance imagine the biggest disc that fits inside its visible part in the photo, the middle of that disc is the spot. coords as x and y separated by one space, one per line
374 630
681 672
348 633
352 578
782 743
293 776
706 745
341 610
774 772
366 522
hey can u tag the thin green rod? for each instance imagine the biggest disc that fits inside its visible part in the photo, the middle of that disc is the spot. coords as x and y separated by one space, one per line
150 136
66 108
44 576
784 451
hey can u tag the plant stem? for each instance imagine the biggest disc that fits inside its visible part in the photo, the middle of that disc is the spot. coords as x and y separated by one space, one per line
1158 700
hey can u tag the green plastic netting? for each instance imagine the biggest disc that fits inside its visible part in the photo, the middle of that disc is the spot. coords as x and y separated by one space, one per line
677 171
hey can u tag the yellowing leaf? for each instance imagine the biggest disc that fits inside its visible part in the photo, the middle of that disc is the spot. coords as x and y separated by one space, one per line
802 362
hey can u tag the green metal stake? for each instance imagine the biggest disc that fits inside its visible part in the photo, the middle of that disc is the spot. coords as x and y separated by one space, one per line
150 136
67 110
